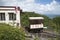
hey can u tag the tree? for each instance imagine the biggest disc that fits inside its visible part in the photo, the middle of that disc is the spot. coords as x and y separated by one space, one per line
56 20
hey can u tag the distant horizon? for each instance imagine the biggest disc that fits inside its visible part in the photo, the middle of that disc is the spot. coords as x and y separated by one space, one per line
52 15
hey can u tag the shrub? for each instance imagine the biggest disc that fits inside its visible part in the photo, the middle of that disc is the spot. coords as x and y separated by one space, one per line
9 33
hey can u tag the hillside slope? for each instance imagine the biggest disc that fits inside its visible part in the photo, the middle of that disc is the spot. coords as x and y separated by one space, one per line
49 23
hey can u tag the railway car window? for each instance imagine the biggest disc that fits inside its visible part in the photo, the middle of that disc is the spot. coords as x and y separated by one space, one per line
36 21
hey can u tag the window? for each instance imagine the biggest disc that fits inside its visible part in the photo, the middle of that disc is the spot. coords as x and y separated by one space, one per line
36 21
12 16
2 16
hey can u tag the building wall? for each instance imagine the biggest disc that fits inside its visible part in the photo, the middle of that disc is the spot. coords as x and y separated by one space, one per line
11 22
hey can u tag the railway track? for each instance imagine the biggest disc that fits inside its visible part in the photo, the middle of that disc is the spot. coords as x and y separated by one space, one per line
50 34
44 34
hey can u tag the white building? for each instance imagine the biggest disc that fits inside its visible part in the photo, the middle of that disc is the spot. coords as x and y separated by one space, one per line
10 15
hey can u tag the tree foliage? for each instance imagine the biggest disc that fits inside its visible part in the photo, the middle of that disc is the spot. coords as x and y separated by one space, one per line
56 20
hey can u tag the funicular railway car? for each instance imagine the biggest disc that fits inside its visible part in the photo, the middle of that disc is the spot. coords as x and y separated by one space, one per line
36 24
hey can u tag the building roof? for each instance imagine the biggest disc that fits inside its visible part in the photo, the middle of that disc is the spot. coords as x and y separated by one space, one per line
33 18
9 8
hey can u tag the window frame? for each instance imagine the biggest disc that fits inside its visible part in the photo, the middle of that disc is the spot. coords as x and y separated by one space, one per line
11 14
2 17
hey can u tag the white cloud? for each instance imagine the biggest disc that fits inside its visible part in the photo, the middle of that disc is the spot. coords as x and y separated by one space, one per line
30 5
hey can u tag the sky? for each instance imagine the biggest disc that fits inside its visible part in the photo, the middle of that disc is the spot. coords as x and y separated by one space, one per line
37 6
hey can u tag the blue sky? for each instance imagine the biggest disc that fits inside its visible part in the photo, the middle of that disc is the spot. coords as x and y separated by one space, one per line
57 0
43 1
38 6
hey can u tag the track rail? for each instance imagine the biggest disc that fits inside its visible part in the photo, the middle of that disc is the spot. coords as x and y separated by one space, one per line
49 34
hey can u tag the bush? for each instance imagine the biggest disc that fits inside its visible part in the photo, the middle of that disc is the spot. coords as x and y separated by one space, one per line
9 33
